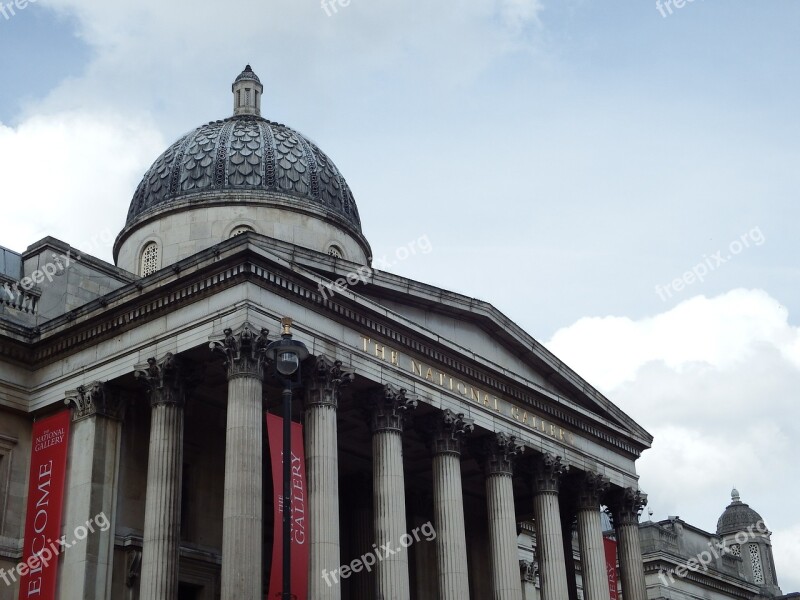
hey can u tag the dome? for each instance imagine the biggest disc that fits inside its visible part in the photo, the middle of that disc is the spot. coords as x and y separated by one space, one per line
737 517
243 173
245 153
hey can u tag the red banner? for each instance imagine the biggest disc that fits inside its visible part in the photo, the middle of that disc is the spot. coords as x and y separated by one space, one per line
610 547
45 501
299 528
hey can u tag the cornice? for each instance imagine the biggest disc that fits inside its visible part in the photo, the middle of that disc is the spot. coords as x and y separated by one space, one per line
709 578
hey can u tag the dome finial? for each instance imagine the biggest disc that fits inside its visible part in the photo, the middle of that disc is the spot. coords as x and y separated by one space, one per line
247 91
735 497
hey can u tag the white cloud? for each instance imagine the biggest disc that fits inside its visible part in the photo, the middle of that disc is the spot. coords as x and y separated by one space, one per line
787 557
715 381
181 46
74 173
718 332
519 14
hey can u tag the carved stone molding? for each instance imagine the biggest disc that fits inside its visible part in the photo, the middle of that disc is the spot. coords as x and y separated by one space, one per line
547 473
164 380
590 488
528 570
327 377
96 399
625 505
389 407
244 350
497 453
446 431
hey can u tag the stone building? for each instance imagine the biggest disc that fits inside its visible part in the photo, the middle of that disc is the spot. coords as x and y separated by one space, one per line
419 405
735 563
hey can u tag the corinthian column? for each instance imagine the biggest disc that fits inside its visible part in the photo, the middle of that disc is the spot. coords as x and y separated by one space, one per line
497 455
590 488
162 515
625 506
389 407
322 469
94 446
242 513
547 474
446 435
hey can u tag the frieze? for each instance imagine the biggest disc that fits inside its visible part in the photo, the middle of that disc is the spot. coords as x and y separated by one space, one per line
469 391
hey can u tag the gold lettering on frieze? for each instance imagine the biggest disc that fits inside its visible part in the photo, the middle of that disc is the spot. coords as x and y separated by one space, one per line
467 390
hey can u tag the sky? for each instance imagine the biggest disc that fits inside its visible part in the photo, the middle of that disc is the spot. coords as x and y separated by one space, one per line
619 180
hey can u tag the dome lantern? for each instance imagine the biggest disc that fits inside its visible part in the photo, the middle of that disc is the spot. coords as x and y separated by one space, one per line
247 90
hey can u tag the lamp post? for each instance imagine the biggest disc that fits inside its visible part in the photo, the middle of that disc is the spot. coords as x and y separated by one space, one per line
286 355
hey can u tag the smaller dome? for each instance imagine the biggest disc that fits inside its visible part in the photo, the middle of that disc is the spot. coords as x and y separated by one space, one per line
248 75
737 517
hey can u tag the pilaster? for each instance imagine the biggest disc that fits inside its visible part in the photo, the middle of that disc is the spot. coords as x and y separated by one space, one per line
92 487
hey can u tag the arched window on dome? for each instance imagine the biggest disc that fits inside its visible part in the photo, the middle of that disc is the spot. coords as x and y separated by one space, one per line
240 230
150 260
335 251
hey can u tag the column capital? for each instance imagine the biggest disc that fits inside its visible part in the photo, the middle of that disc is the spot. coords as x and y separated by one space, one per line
244 350
590 487
446 431
327 377
389 407
528 570
164 380
96 399
497 453
547 473
625 505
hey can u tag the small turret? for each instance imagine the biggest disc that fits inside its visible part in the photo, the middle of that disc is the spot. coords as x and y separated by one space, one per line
247 91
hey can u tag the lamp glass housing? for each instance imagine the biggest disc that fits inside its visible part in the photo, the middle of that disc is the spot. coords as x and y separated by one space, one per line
288 362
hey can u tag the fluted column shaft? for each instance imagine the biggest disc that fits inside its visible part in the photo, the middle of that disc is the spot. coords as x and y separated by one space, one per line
497 455
162 517
390 513
631 570
451 543
242 511
593 558
591 487
549 539
322 470
626 506
503 537
446 433
389 498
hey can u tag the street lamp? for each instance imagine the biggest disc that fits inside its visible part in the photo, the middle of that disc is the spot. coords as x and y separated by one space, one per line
286 355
